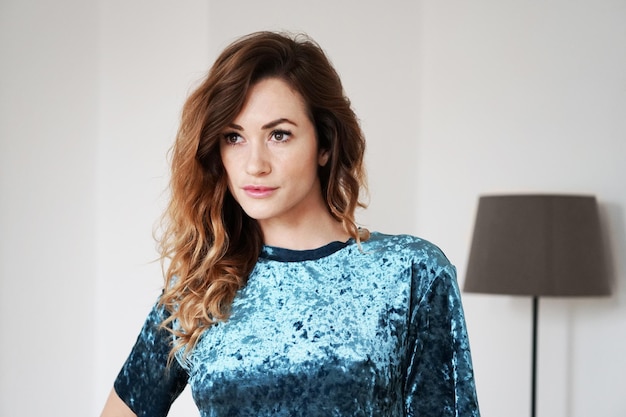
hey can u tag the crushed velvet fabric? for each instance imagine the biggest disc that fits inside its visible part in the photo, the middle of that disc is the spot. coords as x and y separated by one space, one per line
336 331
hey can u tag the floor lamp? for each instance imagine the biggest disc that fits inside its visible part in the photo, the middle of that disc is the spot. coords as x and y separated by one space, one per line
537 245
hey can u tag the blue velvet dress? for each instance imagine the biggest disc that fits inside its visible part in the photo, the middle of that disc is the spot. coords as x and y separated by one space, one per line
335 331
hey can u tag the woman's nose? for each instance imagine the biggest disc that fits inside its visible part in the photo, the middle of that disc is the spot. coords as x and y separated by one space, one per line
258 162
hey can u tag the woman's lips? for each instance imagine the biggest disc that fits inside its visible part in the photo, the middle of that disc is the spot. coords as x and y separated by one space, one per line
257 191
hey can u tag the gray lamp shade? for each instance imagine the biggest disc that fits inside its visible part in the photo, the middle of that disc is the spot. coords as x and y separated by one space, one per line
540 245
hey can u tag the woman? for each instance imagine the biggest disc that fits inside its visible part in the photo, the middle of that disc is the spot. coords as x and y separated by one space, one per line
275 303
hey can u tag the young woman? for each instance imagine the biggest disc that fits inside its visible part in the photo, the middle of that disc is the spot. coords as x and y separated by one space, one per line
275 303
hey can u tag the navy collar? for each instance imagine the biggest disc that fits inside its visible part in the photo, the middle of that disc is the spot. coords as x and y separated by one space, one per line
274 253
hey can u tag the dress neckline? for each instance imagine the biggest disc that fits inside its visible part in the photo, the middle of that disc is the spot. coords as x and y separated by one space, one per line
275 253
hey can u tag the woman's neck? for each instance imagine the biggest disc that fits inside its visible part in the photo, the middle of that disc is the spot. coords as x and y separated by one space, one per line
311 234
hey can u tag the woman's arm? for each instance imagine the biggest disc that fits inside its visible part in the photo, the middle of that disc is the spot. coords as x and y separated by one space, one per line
147 384
440 376
115 407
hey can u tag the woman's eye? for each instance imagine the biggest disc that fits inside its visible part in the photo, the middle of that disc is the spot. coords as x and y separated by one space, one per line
232 138
281 135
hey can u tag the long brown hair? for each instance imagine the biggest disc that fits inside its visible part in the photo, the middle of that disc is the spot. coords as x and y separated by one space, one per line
211 244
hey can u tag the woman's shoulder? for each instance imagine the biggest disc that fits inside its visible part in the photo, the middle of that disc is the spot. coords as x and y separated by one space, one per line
403 244
408 249
406 260
426 260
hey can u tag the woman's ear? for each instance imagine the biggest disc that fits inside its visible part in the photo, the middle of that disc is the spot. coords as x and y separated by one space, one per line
323 157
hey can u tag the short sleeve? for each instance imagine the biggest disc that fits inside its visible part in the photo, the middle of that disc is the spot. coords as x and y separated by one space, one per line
146 383
440 377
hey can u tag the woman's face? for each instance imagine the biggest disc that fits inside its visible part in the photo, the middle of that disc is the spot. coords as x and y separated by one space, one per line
271 157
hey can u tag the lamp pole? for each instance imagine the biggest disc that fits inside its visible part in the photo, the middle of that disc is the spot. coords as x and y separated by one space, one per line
533 382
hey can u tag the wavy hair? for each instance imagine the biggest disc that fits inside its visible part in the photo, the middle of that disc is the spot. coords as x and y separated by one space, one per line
208 241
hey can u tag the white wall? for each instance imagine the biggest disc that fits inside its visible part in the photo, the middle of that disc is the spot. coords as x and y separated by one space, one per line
48 112
456 99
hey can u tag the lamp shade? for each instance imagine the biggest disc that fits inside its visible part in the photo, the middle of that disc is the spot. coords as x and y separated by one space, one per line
540 245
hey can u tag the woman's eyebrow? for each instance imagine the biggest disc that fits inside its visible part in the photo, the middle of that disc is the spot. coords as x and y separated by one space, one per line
235 126
276 122
266 126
